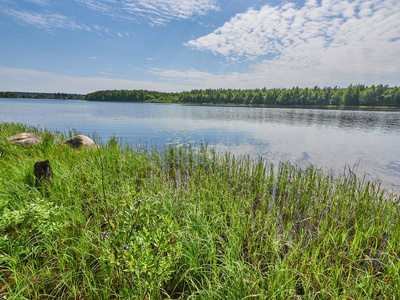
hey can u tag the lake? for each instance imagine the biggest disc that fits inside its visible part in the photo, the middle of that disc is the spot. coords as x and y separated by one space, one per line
330 139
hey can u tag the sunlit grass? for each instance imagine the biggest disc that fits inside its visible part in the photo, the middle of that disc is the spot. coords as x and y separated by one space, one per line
188 223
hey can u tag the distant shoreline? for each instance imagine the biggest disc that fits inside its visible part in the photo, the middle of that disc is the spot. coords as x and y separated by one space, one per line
378 97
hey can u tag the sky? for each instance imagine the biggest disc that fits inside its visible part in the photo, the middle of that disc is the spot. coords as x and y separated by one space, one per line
82 46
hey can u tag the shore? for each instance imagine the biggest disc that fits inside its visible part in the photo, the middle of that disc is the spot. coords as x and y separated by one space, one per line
188 223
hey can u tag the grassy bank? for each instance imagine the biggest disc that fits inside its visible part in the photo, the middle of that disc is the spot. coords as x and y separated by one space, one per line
123 223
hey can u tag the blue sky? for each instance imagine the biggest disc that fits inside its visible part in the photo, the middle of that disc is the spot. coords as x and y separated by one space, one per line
80 46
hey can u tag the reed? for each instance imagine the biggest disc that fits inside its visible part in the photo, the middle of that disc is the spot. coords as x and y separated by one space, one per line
188 223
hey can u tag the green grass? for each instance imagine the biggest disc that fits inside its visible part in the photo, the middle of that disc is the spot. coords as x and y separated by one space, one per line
188 223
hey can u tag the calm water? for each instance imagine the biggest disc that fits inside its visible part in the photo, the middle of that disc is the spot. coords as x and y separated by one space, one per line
326 138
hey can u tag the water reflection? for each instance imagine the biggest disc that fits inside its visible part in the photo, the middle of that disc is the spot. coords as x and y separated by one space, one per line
359 120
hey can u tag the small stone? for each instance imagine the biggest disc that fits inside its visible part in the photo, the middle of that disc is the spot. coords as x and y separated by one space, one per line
25 139
80 140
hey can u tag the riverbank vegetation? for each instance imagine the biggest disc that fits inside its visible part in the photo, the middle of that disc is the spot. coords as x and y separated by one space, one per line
353 96
187 223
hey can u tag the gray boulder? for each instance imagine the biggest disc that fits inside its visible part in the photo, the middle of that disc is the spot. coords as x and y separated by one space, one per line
80 140
25 139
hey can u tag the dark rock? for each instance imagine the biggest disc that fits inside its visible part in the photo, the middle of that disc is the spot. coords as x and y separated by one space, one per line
42 172
25 139
80 140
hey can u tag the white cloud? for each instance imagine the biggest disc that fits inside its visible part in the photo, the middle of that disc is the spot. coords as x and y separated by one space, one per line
50 22
40 2
272 74
155 12
280 30
46 21
23 80
192 78
353 41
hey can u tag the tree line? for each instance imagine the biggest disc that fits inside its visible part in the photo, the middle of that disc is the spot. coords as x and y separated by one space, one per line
61 96
8 95
133 95
354 95
31 95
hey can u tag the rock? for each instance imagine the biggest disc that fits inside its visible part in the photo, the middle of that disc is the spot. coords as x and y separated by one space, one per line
25 139
42 172
80 140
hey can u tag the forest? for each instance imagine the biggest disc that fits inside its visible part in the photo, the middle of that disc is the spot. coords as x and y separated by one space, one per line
33 95
354 95
61 96
8 95
134 95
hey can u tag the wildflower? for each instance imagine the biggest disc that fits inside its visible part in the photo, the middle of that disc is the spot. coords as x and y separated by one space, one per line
126 248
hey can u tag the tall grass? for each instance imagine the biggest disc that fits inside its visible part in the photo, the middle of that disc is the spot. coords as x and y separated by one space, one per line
188 223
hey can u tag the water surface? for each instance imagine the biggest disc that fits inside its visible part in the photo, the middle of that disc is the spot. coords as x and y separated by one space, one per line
330 139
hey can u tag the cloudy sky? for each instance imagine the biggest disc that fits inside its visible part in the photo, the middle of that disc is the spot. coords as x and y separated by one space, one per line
80 46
